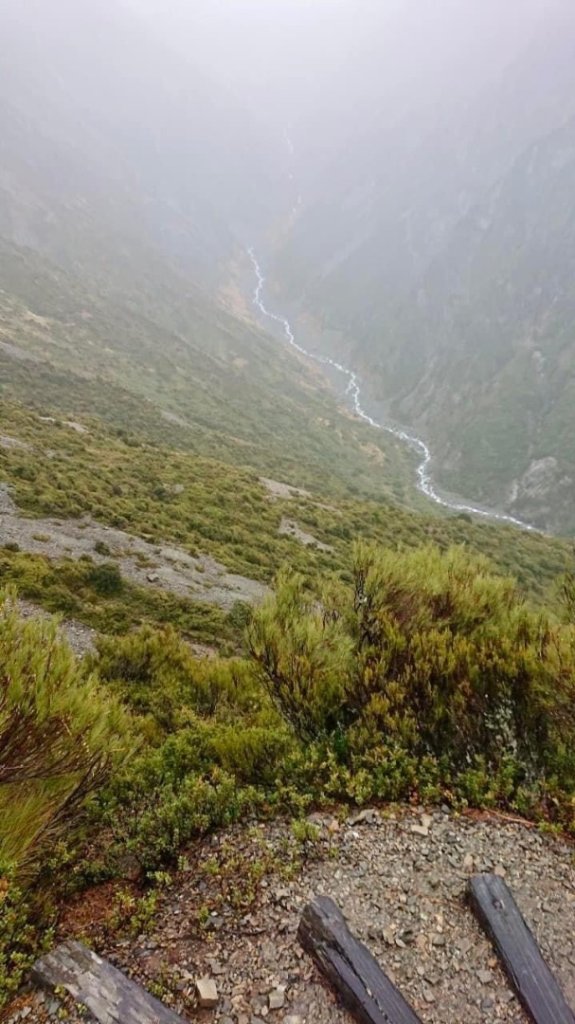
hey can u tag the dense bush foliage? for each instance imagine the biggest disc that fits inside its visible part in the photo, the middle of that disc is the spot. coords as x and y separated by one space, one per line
19 939
61 738
429 658
212 737
420 675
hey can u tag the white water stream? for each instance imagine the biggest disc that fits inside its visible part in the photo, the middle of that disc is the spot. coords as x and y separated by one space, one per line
353 389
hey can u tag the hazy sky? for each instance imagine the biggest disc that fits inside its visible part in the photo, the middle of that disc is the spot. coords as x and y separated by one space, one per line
310 65
290 48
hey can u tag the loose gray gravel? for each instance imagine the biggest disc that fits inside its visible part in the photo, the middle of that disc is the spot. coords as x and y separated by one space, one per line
400 881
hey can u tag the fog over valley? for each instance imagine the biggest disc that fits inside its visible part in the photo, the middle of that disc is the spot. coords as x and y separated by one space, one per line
287 511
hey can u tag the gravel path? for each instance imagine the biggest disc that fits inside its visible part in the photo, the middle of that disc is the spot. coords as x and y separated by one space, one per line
400 881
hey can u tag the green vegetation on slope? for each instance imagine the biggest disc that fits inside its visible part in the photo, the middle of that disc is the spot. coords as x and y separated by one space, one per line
61 738
207 507
200 379
423 676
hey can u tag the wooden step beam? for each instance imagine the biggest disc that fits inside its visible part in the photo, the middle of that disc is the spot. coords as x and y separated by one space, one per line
536 986
109 995
351 969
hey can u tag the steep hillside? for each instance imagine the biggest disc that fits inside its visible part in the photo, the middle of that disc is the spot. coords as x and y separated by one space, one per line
483 356
443 241
67 479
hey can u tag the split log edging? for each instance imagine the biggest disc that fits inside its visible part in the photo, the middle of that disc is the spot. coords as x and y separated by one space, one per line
537 988
352 970
368 993
109 995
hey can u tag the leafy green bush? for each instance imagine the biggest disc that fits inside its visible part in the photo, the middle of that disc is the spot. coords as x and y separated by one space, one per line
60 737
156 674
306 656
106 578
20 940
199 767
155 826
429 654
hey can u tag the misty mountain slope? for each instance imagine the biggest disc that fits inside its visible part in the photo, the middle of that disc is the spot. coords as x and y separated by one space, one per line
400 185
442 253
117 155
483 358
218 386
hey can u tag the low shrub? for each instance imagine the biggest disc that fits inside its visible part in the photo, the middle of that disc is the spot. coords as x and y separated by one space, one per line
424 657
20 939
60 737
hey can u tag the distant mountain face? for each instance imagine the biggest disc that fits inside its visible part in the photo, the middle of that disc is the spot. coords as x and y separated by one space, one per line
483 356
443 250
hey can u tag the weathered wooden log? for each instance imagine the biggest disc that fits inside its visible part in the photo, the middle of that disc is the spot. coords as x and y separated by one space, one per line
536 986
349 966
109 995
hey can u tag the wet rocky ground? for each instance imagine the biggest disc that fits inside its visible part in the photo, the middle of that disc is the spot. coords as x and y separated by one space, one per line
231 915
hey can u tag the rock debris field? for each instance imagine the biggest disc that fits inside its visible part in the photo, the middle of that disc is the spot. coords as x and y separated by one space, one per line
170 568
400 880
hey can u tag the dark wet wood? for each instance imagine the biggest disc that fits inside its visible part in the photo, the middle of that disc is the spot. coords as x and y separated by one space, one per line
536 986
355 974
109 995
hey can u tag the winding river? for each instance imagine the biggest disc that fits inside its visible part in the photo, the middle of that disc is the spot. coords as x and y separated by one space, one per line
353 390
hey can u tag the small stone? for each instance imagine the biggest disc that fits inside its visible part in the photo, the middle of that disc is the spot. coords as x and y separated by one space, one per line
438 940
216 968
420 830
207 993
428 995
506 997
152 577
368 816
499 870
315 818
468 862
276 999
426 821
485 977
